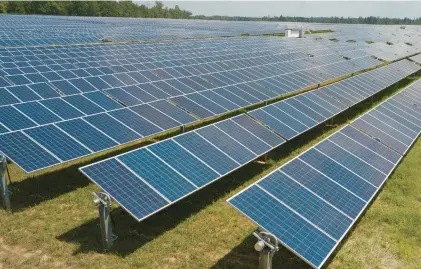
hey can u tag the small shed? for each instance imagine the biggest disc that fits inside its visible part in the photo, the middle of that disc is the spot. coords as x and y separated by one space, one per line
294 32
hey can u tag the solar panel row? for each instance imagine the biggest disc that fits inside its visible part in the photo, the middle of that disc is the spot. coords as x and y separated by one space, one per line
192 156
296 115
311 202
135 83
101 117
165 172
24 30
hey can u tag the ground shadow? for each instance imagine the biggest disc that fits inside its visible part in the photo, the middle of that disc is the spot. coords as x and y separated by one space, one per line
133 235
244 256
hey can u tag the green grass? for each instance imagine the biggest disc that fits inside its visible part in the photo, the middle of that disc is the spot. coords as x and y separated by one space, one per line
54 223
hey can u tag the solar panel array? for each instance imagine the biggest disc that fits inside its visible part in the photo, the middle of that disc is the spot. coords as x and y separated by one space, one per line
167 171
310 203
63 119
22 30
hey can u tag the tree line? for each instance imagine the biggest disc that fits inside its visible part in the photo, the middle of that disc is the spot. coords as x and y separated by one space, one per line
346 20
158 10
94 9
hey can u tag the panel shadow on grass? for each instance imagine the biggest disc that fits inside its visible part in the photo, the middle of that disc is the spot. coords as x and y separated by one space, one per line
244 256
133 235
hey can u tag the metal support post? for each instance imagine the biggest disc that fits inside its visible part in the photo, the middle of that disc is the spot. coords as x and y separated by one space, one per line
182 128
266 245
103 201
5 193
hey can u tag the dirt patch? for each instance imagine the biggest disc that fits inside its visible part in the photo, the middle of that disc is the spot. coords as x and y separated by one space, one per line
19 257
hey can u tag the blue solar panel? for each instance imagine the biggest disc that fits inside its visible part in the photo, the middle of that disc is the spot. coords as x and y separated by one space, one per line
245 138
13 119
329 190
192 107
132 193
398 125
365 154
295 232
315 210
227 144
163 121
182 161
276 125
258 130
17 80
98 83
7 98
102 100
206 103
231 97
288 120
372 144
380 135
220 100
25 152
86 134
3 129
23 93
82 85
135 122
338 173
37 112
83 104
57 142
61 108
323 111
44 90
353 163
173 111
65 87
113 128
159 175
208 153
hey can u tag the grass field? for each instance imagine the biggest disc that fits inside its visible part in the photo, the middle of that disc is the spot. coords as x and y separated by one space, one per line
54 223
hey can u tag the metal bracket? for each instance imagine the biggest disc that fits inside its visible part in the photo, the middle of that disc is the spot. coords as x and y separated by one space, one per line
4 190
182 128
104 203
266 245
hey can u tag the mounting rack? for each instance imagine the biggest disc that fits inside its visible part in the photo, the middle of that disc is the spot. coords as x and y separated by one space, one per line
4 190
104 203
266 245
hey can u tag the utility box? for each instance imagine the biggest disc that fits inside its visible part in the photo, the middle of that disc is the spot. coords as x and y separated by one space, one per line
294 32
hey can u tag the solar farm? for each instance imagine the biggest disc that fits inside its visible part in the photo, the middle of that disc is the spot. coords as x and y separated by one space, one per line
158 143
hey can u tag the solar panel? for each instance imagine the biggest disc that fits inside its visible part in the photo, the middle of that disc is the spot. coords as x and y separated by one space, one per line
317 196
176 167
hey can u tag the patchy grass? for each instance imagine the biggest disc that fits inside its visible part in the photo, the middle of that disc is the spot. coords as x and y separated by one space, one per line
334 40
54 223
369 42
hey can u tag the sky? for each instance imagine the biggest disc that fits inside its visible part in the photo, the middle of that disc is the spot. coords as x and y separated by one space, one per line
395 9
